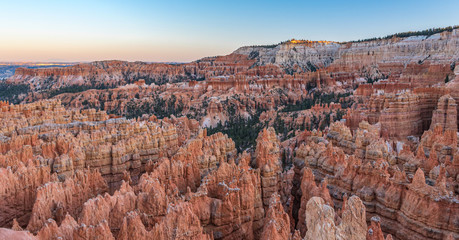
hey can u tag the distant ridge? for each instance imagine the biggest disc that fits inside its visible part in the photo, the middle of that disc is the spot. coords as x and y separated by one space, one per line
427 32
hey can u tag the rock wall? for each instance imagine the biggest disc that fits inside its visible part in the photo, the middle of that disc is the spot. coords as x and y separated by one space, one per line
401 110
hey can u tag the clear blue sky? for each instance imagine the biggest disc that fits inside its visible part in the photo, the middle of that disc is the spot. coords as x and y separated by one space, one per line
187 30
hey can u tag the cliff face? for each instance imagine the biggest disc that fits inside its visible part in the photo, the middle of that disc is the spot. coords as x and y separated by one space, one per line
445 115
99 74
401 116
418 61
107 74
438 48
402 110
304 56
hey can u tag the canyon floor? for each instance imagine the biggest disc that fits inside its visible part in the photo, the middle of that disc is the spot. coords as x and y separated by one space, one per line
297 140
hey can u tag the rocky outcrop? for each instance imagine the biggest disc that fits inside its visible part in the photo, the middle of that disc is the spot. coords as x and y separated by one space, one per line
373 172
441 139
374 230
446 114
401 116
15 235
309 189
276 224
229 201
179 223
321 224
18 190
404 111
267 159
56 199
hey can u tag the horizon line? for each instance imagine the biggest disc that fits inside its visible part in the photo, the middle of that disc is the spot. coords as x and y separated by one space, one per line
73 62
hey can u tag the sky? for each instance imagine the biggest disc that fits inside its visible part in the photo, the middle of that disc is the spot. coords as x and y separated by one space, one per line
182 31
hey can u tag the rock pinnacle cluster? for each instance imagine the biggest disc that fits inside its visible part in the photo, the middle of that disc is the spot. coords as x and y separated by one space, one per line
300 140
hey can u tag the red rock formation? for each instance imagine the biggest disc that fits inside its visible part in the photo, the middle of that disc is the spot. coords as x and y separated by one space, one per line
15 235
18 191
321 225
267 159
309 189
51 230
75 172
402 110
95 141
109 208
229 202
108 73
401 117
180 223
101 231
446 114
57 199
442 135
382 186
276 223
374 230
